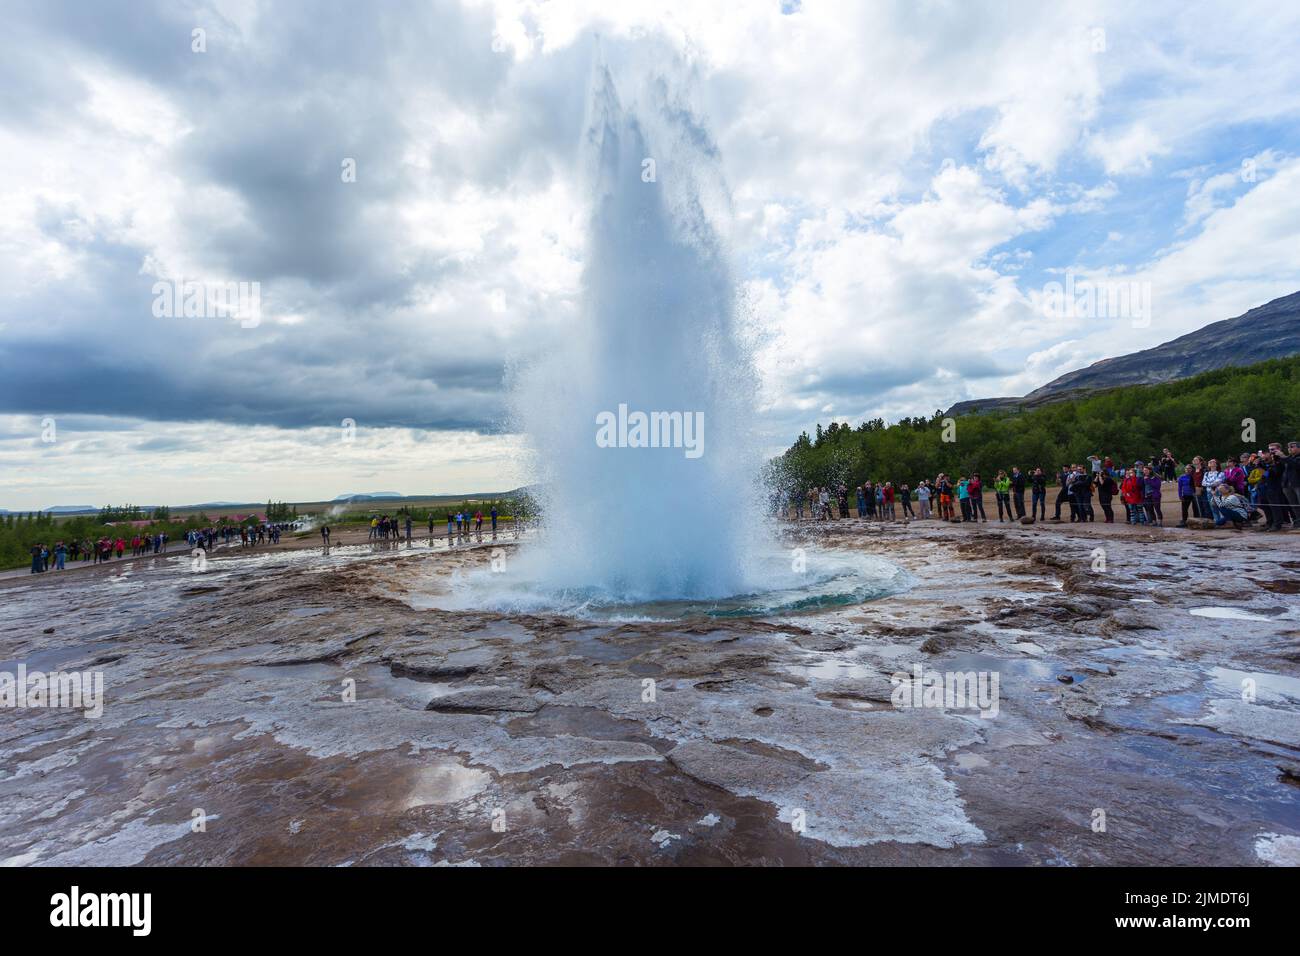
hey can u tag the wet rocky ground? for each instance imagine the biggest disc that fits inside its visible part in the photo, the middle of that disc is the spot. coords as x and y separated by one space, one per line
297 708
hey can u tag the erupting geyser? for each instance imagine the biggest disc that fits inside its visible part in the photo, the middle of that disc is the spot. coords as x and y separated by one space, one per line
657 338
641 418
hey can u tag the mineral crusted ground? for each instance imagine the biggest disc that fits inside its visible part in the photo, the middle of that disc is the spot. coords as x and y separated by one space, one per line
488 738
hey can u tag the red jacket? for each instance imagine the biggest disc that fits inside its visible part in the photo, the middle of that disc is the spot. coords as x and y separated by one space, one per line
1132 491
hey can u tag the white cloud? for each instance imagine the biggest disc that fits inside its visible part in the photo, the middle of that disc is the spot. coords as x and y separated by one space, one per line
100 460
880 280
1128 151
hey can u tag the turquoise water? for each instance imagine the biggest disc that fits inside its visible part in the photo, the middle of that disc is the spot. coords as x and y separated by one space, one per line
828 579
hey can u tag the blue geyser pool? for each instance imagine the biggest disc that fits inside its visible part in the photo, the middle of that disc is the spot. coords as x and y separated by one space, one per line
829 579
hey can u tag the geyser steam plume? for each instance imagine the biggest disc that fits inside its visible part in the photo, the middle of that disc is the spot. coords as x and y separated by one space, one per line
657 332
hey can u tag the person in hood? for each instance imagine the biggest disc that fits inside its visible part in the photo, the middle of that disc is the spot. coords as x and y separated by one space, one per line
1151 496
1131 492
1107 489
1186 493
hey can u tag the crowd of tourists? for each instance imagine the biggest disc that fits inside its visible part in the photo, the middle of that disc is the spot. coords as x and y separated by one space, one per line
57 556
385 528
248 535
1261 486
460 522
388 529
382 528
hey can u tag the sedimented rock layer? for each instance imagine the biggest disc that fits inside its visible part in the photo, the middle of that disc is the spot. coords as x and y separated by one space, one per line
300 708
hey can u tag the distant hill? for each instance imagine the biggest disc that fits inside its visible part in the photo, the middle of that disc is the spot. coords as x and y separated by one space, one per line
1267 332
72 510
368 496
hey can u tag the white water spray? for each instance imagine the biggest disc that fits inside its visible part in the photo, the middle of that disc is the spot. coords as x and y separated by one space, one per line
656 334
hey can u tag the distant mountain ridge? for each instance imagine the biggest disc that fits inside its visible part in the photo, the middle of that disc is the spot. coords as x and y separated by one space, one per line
1269 331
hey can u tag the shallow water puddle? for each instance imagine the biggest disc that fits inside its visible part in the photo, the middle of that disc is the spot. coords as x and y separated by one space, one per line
1250 785
1017 667
1268 687
308 611
833 670
1226 614
1028 647
1129 652
57 658
443 783
373 681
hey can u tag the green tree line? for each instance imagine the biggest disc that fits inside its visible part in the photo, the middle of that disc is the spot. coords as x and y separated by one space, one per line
1210 414
507 507
18 533
281 511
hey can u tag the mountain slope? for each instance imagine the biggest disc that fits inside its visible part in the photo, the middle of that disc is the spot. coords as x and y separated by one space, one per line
1267 332
358 496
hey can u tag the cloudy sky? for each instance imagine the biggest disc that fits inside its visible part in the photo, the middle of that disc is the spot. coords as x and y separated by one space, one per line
906 179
